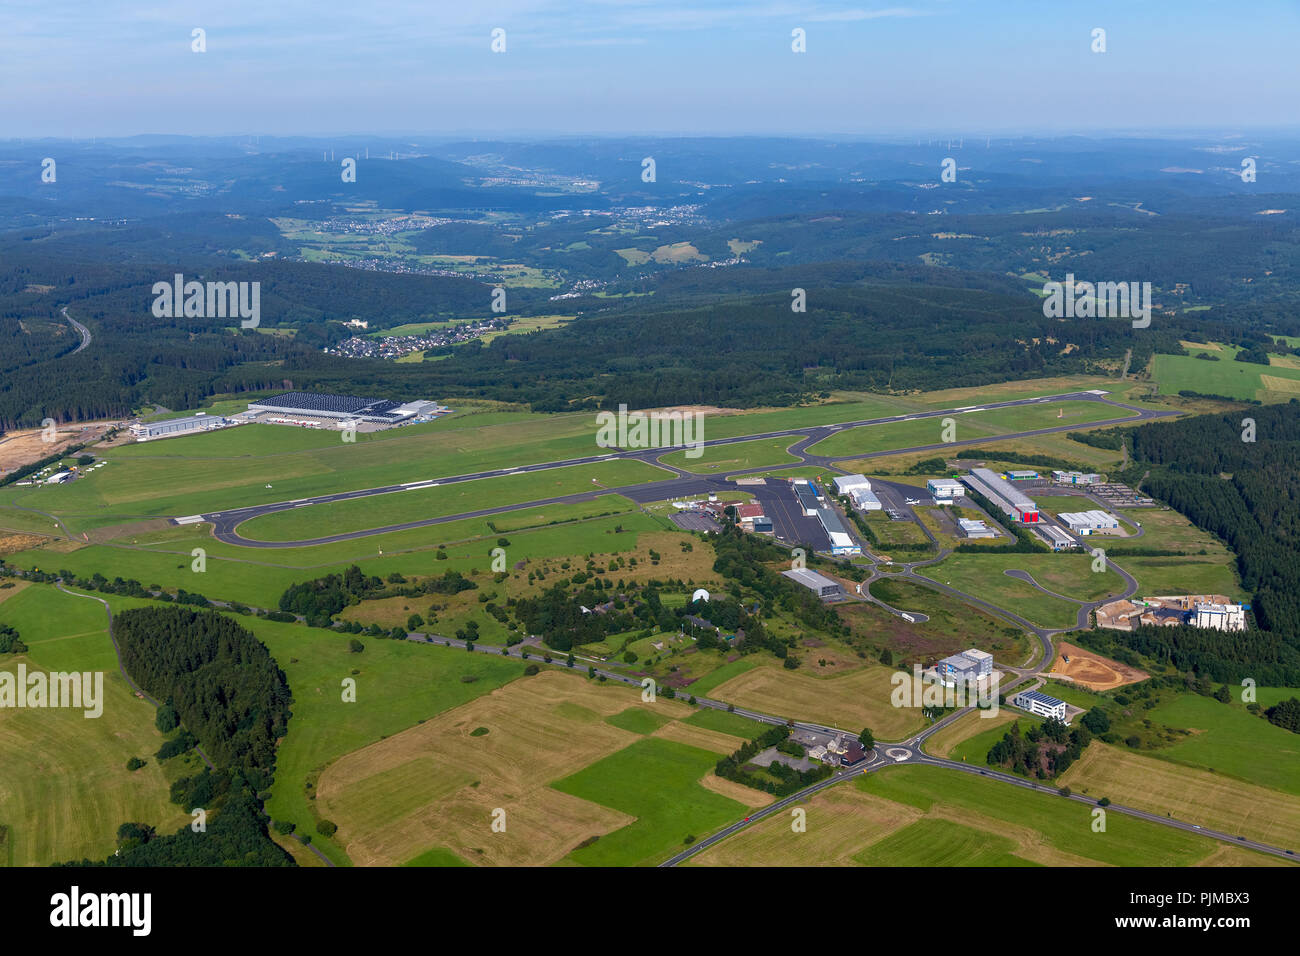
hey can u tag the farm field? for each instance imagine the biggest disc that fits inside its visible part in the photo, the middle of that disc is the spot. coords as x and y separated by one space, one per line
65 788
436 785
360 514
400 683
674 808
1188 793
1229 740
1242 380
928 816
966 727
740 456
860 698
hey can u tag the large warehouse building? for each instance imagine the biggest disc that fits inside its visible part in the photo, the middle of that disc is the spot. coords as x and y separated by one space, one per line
824 587
1086 522
1014 502
313 405
170 428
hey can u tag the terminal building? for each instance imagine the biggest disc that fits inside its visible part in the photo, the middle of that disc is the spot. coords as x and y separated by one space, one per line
1040 704
1011 500
171 427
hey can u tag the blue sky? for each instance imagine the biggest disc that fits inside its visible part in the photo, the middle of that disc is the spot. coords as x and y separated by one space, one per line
109 68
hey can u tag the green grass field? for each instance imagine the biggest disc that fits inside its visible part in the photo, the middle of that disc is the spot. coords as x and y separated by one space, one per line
1066 574
1062 825
941 843
656 781
638 720
968 427
738 457
1232 741
259 577
1183 575
65 788
360 514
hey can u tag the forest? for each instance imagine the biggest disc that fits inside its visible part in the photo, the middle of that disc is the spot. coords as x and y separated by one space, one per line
225 686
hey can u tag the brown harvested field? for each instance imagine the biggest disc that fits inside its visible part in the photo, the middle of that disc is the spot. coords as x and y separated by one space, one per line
12 543
702 737
435 785
841 822
736 791
1190 794
849 702
1227 855
1092 670
963 728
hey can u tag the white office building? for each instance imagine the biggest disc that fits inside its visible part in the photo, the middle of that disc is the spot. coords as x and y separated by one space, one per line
1040 705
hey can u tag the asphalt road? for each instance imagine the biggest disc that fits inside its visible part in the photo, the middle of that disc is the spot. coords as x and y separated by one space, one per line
81 330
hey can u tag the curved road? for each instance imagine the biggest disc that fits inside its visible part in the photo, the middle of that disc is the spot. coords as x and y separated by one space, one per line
80 329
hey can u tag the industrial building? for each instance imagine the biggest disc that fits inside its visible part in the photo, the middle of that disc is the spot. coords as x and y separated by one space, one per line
1011 500
841 541
1054 537
1221 617
819 584
319 405
807 495
1022 476
945 489
59 477
846 483
1086 522
1075 478
864 500
169 428
1040 704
